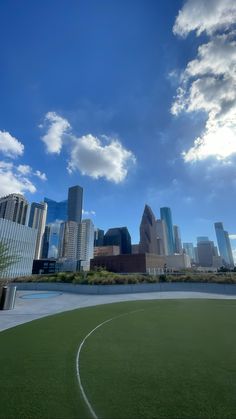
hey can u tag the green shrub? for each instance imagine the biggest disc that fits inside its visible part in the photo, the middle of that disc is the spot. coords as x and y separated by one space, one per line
162 278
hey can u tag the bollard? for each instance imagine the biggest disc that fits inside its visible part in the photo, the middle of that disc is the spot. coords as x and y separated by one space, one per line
3 297
8 298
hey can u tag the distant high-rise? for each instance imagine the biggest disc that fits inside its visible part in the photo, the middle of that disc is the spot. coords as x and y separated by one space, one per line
230 253
202 239
224 245
98 237
68 240
167 217
177 240
119 236
51 240
14 208
189 249
206 252
161 237
37 219
85 243
75 203
45 242
56 211
148 232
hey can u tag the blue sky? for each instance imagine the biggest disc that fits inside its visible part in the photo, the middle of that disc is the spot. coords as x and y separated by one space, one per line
132 99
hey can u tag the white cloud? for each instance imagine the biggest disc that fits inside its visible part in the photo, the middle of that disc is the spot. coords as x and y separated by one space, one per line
10 146
208 83
92 157
40 175
232 236
205 15
102 157
57 127
88 213
11 181
24 169
220 143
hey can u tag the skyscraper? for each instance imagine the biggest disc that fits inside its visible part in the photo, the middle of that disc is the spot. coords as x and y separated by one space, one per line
177 240
37 219
98 237
14 208
148 232
118 236
68 240
224 245
189 249
75 203
56 213
206 252
85 243
161 237
56 210
166 216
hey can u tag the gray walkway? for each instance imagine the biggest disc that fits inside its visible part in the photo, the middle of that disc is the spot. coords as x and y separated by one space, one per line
27 310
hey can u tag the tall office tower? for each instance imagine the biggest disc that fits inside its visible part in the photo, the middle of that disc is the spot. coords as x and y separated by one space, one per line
119 236
37 219
50 241
14 208
20 241
148 232
68 240
202 239
231 258
56 213
45 242
85 243
177 240
98 237
189 250
56 210
166 216
206 252
161 237
224 245
75 203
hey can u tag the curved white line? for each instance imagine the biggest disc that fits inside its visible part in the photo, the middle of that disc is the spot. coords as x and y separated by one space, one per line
87 402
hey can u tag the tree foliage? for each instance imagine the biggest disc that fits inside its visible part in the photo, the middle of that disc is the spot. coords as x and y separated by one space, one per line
6 258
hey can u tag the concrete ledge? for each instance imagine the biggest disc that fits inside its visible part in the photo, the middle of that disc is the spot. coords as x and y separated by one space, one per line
227 289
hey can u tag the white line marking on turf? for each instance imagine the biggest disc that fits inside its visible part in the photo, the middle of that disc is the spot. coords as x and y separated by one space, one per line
93 414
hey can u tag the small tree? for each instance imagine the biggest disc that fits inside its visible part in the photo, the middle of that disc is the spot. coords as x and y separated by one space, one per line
6 258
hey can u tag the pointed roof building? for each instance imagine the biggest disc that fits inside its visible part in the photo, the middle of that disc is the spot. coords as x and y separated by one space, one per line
148 232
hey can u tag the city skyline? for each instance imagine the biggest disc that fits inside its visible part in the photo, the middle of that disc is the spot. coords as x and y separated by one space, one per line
57 213
113 98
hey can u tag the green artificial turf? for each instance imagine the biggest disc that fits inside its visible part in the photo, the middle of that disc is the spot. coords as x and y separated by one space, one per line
172 359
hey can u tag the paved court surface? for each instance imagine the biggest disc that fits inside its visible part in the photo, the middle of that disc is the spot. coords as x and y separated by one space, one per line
27 310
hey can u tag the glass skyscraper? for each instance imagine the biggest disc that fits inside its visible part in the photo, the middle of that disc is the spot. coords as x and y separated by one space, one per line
56 210
224 245
56 213
189 249
167 217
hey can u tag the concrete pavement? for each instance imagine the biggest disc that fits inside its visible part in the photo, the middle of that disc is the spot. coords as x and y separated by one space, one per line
27 310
